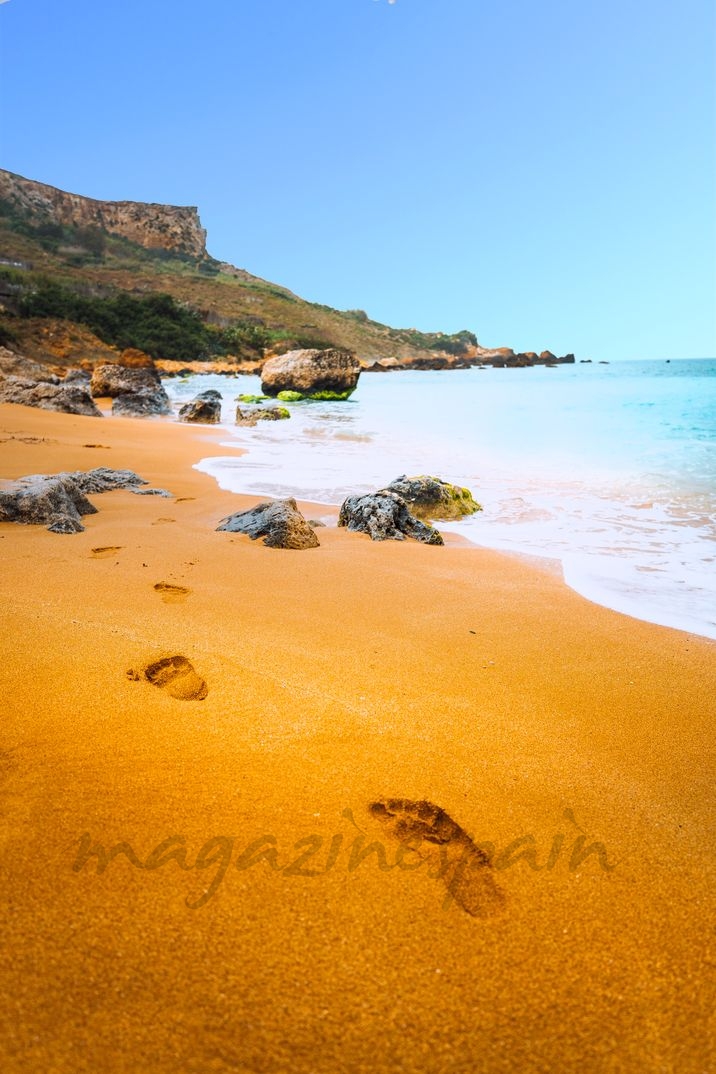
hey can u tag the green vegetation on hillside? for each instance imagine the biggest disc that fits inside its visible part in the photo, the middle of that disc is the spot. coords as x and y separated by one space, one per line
175 306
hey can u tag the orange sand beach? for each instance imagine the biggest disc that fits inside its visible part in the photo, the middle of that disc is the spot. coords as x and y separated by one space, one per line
283 903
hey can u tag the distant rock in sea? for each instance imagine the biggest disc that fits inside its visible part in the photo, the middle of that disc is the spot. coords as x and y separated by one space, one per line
314 374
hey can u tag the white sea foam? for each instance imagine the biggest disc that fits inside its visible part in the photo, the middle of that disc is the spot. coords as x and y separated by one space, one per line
611 470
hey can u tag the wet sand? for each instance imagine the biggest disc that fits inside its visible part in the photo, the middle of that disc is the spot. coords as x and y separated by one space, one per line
464 711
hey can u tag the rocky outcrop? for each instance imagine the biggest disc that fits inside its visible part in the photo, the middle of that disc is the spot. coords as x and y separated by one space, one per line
165 227
431 497
80 378
505 358
384 516
261 413
17 365
279 522
205 409
112 379
68 399
137 390
59 501
315 374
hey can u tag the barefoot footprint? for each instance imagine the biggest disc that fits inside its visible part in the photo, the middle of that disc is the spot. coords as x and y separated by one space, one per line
466 872
106 551
176 676
171 594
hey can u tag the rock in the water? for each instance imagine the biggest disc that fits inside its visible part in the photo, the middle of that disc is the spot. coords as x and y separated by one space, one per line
144 404
70 399
279 522
59 500
204 409
261 413
384 516
17 365
431 497
316 374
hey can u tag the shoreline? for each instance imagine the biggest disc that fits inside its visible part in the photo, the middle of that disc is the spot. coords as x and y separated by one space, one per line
339 677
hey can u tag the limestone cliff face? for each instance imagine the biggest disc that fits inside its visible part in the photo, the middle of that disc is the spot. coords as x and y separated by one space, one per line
168 227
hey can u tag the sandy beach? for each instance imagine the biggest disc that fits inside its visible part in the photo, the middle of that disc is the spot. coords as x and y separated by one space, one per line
242 931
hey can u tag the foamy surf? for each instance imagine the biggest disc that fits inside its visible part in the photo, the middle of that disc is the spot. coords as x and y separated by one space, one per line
610 470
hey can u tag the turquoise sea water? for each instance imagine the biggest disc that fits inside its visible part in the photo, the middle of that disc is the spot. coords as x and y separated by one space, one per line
610 469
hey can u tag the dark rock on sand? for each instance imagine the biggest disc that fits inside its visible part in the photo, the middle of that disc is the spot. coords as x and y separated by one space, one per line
384 516
17 365
205 409
431 497
137 390
145 404
279 522
69 399
261 413
322 374
79 378
60 500
113 379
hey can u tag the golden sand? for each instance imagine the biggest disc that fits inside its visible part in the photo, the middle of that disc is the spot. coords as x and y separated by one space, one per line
344 686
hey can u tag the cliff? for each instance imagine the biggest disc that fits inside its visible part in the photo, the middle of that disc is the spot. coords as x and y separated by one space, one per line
139 276
155 227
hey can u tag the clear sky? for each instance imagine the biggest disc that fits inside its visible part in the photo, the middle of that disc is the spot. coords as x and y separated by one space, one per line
539 171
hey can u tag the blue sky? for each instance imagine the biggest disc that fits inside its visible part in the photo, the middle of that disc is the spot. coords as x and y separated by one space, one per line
539 171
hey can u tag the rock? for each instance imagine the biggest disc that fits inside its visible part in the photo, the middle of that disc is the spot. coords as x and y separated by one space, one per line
60 500
146 404
547 356
384 516
104 479
431 497
261 413
251 398
17 365
113 379
279 522
70 399
290 397
316 374
80 378
205 408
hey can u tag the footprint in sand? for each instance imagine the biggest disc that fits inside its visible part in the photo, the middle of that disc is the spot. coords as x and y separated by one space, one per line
171 594
106 551
176 676
464 868
184 499
105 446
160 521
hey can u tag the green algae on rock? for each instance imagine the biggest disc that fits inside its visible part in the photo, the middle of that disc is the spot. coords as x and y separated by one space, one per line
431 497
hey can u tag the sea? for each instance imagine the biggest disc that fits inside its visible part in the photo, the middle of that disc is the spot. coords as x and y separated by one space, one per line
608 468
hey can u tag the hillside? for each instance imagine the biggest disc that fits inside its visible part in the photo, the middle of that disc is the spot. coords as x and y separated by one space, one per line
94 266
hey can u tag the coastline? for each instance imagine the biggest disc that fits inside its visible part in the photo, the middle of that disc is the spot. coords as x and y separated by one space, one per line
336 677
